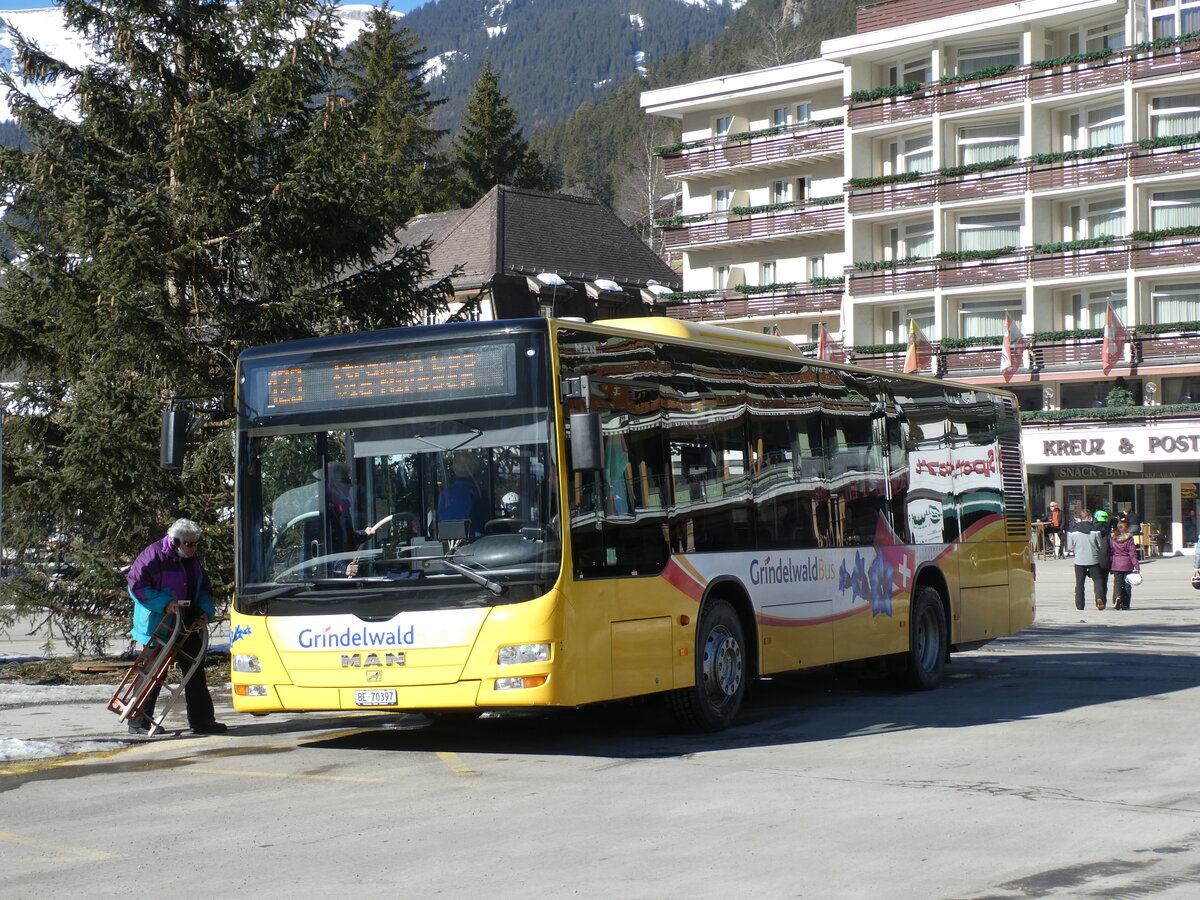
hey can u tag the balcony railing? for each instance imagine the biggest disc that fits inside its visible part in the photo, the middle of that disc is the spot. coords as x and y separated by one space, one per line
731 304
796 143
1047 357
812 219
888 13
1027 81
1127 160
928 275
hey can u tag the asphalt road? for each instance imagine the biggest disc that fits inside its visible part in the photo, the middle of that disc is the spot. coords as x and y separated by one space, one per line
1058 763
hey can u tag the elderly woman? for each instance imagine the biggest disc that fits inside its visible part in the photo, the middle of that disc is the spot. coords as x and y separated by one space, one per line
167 579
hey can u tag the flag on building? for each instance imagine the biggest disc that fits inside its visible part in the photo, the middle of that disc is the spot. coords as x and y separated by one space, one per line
920 351
827 348
1012 349
1116 336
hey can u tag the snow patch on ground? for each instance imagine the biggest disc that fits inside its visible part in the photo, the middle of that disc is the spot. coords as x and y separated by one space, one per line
41 694
17 749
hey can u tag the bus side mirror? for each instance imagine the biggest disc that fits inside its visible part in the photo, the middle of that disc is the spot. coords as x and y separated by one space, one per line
173 439
587 445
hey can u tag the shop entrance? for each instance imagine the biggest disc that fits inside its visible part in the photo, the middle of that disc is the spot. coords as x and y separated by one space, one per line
1151 502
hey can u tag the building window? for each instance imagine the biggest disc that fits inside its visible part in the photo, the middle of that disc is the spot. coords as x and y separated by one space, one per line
779 116
720 277
910 70
1110 36
766 272
1174 116
1172 18
780 191
988 143
1090 309
992 231
803 188
816 267
985 318
912 240
1175 303
911 154
1099 127
722 125
977 59
722 199
900 330
804 112
1174 209
1096 218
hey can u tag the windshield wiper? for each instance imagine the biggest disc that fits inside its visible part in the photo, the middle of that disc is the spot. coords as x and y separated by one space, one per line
482 580
262 598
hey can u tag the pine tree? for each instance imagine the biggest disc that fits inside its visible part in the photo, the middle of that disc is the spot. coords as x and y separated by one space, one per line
490 149
206 194
384 76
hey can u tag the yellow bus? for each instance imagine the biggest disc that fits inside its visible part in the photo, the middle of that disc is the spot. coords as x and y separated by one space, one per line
491 516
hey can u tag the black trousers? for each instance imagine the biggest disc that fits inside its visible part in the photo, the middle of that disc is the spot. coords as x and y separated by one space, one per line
199 701
1099 584
1122 591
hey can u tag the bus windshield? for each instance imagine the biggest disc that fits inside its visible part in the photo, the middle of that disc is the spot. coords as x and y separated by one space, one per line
444 506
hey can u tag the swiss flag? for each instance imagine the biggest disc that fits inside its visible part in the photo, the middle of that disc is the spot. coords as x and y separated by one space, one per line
895 553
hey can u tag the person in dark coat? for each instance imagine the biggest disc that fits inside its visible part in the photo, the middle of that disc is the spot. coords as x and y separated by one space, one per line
1124 561
167 579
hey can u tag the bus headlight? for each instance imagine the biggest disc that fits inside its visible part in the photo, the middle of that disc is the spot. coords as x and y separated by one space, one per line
244 662
250 690
523 653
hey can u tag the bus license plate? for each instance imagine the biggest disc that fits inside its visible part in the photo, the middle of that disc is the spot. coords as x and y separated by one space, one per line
375 698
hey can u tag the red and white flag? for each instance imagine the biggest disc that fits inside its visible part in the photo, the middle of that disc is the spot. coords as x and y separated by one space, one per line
827 348
920 351
1012 350
1116 336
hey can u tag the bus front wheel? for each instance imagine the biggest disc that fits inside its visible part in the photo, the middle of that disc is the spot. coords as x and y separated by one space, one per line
713 702
927 641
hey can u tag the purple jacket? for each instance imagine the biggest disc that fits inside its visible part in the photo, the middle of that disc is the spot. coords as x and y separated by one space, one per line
1124 555
158 576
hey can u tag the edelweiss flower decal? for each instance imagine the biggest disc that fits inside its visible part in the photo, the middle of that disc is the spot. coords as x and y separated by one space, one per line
882 575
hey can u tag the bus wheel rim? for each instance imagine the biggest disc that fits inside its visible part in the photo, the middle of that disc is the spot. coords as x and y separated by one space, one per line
722 666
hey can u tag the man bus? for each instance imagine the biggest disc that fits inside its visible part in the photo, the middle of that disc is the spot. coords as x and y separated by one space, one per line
656 507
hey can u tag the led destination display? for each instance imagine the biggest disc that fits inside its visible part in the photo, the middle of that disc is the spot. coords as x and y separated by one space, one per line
376 378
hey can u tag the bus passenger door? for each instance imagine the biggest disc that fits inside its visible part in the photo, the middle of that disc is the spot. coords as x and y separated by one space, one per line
979 492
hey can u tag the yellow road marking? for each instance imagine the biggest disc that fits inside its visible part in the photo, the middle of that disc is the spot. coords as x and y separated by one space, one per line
457 766
67 852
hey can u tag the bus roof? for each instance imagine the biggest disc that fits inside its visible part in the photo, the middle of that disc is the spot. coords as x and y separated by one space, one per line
733 338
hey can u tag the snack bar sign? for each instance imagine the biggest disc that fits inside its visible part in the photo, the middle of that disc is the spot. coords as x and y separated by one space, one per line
1151 443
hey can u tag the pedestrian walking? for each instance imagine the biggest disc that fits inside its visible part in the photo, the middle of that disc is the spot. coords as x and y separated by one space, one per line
1084 543
1123 549
167 579
1102 523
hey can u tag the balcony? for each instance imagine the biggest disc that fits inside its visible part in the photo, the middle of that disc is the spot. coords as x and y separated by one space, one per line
774 146
1117 256
1050 355
1028 81
1128 160
792 300
759 224
890 13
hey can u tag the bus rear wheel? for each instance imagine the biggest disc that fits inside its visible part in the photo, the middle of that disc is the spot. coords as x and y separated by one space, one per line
713 702
925 661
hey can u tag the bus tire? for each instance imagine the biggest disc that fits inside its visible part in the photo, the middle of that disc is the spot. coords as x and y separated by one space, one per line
713 702
925 661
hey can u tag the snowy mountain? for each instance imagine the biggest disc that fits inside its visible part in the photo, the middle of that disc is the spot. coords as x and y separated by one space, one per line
47 29
553 56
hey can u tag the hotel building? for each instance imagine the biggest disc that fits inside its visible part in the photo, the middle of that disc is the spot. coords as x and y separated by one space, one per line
962 164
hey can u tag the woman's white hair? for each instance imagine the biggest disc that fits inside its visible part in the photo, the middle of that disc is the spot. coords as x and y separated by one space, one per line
184 528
